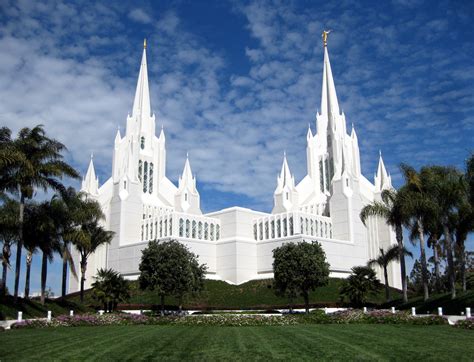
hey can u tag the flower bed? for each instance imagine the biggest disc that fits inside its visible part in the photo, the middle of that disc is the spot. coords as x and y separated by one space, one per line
466 323
318 317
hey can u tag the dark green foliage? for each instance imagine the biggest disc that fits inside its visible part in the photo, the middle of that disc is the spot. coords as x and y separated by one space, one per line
299 269
470 281
360 285
110 288
170 269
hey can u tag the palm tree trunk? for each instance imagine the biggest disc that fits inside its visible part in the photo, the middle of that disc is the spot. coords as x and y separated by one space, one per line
6 256
403 270
424 267
387 287
462 260
63 287
4 278
19 247
29 261
83 276
449 254
436 266
44 273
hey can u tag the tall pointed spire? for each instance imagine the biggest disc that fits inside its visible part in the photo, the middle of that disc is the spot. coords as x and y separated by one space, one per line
187 176
285 178
285 195
90 183
382 180
141 103
187 196
329 103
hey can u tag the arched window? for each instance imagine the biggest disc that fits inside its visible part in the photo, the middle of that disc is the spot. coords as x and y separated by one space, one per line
170 225
142 143
301 226
267 236
145 176
188 227
194 229
218 232
260 226
181 227
125 185
278 228
212 232
206 231
140 166
186 196
272 228
142 232
200 230
150 185
161 228
165 234
290 225
255 231
285 229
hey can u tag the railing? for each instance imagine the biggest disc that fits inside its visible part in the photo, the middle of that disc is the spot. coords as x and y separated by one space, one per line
175 224
292 223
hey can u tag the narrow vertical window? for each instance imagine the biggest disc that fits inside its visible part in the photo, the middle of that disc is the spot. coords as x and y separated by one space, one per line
290 225
142 143
218 232
181 227
150 185
140 166
161 228
165 228
255 231
260 228
321 175
145 176
212 232
200 230
272 228
285 229
194 230
326 169
206 231
278 228
170 226
266 230
188 227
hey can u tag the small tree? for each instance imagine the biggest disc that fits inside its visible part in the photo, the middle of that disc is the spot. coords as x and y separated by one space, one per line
170 269
110 288
359 285
298 269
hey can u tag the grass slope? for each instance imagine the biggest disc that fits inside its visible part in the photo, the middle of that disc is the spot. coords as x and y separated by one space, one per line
255 294
32 308
308 342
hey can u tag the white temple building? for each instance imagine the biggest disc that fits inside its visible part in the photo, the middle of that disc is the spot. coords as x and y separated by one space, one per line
236 244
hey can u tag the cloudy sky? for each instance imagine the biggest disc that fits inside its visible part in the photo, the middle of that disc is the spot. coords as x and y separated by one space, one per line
236 83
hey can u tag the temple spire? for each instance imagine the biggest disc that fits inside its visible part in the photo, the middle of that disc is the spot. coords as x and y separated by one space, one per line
329 103
90 183
382 180
141 103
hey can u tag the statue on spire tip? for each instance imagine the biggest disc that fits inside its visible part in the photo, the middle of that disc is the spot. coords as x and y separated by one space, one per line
324 35
144 43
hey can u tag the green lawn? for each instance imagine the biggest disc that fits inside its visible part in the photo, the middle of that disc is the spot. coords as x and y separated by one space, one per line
307 342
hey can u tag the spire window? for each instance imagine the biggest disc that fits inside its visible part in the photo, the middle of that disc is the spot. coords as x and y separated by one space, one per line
142 143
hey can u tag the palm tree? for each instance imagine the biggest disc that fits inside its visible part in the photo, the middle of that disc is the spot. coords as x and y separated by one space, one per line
110 288
359 285
445 186
86 240
420 206
8 235
38 163
390 209
384 259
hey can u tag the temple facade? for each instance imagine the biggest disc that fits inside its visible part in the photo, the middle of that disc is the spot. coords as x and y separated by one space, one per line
141 204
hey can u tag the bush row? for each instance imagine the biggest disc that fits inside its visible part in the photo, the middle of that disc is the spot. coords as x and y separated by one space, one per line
343 317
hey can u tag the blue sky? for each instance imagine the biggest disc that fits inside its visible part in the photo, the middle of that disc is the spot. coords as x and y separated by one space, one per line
237 82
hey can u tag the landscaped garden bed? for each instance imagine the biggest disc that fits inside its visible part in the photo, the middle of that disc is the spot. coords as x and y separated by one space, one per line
316 317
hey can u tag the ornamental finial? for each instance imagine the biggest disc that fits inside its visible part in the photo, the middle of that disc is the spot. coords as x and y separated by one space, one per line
324 35
144 43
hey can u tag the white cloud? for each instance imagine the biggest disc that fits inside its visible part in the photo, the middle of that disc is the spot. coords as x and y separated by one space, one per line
140 16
